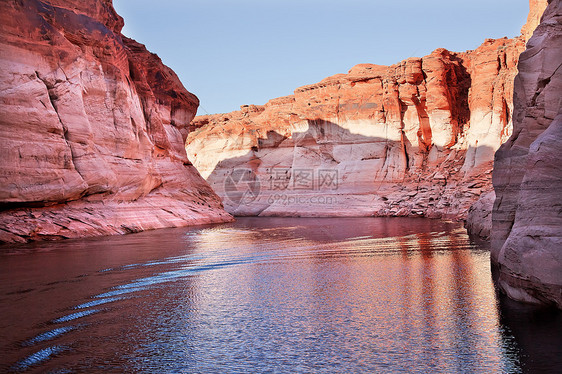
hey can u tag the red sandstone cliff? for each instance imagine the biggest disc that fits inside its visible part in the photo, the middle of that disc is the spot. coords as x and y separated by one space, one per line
527 214
416 138
536 10
92 128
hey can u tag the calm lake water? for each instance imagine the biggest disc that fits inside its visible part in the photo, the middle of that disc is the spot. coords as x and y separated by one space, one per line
268 295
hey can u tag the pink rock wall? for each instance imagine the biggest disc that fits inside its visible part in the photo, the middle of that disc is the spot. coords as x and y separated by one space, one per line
527 214
92 128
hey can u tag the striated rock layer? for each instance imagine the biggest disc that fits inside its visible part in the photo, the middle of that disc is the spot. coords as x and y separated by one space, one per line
416 138
527 214
92 128
479 218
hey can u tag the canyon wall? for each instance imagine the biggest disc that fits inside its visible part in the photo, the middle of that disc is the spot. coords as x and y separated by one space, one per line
536 10
413 139
527 214
92 128
479 218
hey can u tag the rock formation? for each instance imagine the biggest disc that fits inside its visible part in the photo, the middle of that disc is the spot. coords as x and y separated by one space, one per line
413 139
92 127
479 218
536 10
527 214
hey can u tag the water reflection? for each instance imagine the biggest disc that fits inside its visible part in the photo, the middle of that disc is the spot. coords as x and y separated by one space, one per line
537 333
297 295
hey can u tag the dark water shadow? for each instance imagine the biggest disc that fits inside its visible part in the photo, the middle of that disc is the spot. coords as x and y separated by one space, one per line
537 331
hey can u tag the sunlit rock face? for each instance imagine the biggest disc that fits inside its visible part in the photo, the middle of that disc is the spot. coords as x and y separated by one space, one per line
479 218
92 127
527 214
413 139
536 10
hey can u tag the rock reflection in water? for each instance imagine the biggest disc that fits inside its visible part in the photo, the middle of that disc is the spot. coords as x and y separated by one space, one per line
274 294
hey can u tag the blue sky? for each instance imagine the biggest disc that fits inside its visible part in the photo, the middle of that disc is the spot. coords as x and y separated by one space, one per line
235 52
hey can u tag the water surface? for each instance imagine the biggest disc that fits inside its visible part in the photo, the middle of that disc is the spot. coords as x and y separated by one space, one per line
268 295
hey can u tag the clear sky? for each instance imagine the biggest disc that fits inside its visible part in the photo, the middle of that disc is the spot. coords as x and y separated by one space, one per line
235 52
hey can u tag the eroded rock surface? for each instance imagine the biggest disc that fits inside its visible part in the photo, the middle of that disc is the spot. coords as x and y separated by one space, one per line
92 127
479 222
413 139
527 215
536 10
479 218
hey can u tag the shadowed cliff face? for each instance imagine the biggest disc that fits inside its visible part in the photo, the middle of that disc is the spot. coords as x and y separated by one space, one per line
415 138
92 128
527 214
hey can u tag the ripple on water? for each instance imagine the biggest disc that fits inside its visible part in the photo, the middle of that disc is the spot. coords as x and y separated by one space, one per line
73 316
50 335
359 302
38 357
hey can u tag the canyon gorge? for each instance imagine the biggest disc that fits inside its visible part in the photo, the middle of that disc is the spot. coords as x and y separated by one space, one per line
413 139
92 127
99 137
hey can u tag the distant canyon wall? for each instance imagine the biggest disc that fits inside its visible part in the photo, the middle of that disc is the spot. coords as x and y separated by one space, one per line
413 139
526 233
536 10
92 127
